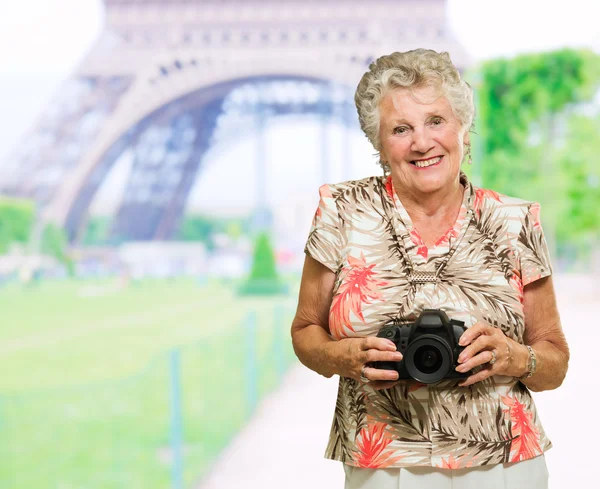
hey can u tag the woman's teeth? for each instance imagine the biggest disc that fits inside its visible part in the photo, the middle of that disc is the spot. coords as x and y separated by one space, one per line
425 163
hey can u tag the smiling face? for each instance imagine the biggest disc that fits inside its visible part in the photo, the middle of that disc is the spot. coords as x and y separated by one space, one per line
421 140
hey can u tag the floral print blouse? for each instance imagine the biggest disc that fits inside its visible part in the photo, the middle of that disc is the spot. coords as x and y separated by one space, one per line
362 232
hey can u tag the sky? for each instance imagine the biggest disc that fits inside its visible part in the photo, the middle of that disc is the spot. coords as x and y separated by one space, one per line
41 42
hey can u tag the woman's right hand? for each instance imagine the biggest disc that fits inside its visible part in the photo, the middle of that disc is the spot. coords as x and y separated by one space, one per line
318 351
350 355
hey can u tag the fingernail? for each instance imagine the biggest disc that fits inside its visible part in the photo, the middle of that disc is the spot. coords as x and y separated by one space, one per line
461 358
462 341
391 343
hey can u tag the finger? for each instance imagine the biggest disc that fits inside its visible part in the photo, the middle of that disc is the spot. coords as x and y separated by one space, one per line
381 356
483 342
374 374
473 332
481 359
374 343
478 377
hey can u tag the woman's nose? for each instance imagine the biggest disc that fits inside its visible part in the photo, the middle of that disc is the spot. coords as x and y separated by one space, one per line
421 142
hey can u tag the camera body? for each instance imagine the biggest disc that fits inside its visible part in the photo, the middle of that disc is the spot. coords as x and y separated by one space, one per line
429 347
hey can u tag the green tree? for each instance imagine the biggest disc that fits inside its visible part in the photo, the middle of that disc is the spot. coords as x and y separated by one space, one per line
97 230
579 173
16 220
198 228
55 243
235 229
518 98
264 279
524 105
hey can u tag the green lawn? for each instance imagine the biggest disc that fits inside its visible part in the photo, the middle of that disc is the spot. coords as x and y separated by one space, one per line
85 383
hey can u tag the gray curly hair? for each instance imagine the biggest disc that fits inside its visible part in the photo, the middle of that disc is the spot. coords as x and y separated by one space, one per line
417 68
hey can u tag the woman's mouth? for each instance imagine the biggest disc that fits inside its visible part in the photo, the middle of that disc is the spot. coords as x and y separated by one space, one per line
428 162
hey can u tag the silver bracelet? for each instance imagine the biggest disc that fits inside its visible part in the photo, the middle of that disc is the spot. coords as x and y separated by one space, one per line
531 364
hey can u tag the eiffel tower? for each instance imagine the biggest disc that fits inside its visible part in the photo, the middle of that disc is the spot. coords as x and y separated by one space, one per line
166 77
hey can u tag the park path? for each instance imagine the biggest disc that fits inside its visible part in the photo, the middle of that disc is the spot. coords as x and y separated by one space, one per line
283 444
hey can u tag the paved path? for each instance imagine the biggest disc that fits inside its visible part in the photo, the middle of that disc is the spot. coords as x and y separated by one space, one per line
283 445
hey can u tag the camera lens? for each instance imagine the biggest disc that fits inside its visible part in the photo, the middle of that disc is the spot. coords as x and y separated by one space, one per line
428 359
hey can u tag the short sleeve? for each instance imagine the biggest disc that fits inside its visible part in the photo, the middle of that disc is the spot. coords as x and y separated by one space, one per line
533 249
324 240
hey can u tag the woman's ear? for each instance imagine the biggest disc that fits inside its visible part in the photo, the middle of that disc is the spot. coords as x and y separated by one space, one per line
467 138
382 155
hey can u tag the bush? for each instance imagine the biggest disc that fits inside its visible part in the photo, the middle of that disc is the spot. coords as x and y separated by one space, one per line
55 243
16 220
263 279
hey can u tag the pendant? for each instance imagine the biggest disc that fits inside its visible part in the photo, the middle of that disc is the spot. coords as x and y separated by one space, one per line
417 277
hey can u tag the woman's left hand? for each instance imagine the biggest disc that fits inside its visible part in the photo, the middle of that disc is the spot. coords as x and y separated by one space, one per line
493 350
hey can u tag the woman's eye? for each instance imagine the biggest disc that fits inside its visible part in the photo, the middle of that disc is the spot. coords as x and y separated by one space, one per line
436 121
400 130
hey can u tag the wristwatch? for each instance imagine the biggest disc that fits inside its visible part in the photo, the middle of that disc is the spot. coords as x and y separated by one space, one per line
531 364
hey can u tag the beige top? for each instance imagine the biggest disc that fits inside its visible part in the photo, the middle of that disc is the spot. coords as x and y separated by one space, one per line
362 232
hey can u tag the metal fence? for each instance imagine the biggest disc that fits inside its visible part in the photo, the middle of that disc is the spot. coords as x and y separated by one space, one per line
161 428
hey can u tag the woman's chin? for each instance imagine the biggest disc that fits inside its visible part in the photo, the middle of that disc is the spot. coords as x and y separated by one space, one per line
428 183
426 180
433 179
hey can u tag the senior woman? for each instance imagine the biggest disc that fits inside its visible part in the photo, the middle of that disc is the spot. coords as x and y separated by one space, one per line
421 237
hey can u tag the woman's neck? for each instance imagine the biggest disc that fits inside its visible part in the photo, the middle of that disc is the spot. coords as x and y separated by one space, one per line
442 205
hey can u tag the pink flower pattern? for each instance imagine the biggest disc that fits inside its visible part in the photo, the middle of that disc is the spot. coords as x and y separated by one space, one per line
360 287
352 236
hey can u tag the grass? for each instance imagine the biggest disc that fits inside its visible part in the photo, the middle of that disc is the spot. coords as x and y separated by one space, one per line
85 394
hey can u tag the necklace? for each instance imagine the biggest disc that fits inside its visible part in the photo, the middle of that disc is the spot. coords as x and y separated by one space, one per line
419 277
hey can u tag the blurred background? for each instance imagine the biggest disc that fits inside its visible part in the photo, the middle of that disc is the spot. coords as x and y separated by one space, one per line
159 167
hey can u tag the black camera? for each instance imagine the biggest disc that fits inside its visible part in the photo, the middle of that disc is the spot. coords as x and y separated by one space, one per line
429 347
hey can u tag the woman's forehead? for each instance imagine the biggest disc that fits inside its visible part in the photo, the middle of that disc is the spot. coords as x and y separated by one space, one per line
401 102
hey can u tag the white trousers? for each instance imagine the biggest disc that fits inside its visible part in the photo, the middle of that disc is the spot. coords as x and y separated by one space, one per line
528 474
